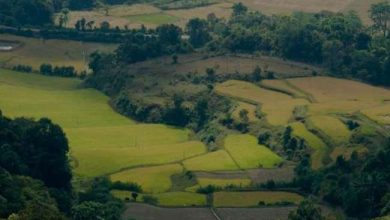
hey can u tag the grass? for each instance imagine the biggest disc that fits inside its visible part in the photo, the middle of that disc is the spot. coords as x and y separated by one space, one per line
96 133
380 114
314 142
156 19
154 179
35 52
277 106
252 199
249 107
283 86
331 127
169 199
214 161
248 154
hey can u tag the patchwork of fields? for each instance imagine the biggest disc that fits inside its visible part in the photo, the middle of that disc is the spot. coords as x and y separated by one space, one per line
152 15
105 143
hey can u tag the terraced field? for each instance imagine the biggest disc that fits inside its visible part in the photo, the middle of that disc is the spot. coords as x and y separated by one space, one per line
313 141
155 179
277 107
331 127
248 154
35 52
214 161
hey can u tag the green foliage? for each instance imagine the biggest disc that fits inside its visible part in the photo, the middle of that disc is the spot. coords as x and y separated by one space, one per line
306 211
26 12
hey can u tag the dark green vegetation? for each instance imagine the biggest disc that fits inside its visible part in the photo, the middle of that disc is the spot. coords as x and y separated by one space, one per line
34 169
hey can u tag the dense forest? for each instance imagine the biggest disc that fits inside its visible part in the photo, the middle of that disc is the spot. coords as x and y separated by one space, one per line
35 176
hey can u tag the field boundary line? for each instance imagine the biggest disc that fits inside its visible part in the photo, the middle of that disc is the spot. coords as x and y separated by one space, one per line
309 96
215 213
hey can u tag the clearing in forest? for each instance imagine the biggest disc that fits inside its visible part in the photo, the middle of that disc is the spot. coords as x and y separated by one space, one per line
34 52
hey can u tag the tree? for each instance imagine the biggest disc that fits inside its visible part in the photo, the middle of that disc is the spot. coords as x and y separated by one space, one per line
134 195
169 34
175 59
380 14
105 26
244 116
239 9
63 18
306 211
256 74
198 31
46 69
211 76
81 4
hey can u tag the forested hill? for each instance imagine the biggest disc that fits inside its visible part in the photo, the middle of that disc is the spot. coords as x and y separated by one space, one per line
34 169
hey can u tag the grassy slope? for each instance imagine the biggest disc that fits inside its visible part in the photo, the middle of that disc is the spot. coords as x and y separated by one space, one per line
155 179
101 140
214 161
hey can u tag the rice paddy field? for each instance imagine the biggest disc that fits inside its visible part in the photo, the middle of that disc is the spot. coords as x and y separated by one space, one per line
277 107
214 161
155 179
252 199
34 52
251 109
96 133
332 127
248 154
318 147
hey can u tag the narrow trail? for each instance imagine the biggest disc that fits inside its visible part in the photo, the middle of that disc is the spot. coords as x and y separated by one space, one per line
215 214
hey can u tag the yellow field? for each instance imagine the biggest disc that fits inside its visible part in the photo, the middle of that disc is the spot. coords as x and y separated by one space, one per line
328 89
252 199
277 106
331 127
314 142
155 179
380 114
214 161
34 52
248 154
249 107
101 140
282 85
335 96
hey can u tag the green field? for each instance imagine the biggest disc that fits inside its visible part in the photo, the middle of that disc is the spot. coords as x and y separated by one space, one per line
214 161
169 199
252 199
318 146
96 133
248 154
154 179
